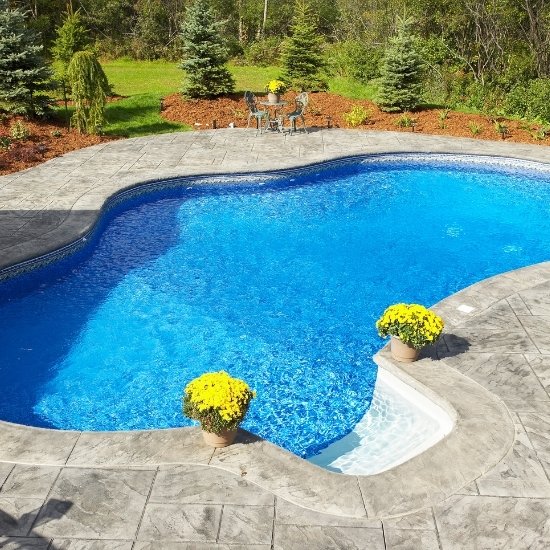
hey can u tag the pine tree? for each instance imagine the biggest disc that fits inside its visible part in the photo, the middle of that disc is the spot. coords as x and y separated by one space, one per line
24 75
90 88
302 52
205 55
401 82
72 37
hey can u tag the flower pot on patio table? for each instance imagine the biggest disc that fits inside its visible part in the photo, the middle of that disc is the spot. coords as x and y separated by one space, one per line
403 352
273 98
224 439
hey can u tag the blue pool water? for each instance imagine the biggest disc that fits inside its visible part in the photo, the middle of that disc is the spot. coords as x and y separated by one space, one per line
278 281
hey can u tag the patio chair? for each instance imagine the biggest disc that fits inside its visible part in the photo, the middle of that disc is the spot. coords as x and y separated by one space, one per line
253 111
301 102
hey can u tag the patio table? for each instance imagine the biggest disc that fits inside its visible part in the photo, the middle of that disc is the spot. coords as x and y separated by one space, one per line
274 120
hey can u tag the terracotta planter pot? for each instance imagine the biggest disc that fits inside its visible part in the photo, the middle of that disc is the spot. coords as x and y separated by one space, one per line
403 352
273 98
222 440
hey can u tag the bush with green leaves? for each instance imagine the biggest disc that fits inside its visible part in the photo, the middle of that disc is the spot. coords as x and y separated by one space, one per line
475 128
531 100
19 131
401 81
302 57
501 128
354 59
5 143
205 54
264 52
90 88
357 116
150 30
405 121
25 77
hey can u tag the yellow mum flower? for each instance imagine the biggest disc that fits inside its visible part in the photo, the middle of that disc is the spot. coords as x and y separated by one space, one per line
412 323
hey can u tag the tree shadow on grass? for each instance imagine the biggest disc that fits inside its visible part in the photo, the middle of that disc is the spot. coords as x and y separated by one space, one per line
139 115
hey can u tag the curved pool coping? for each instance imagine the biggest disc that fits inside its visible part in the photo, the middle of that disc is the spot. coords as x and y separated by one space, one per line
483 433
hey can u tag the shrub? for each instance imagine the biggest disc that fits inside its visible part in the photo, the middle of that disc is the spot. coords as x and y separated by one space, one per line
530 100
405 121
72 36
443 116
357 116
501 129
264 52
353 59
5 143
475 129
218 401
90 89
56 133
19 131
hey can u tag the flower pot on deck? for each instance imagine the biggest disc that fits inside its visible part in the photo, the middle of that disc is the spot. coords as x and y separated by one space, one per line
402 352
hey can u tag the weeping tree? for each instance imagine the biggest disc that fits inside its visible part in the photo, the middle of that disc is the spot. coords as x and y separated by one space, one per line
205 54
24 75
72 37
90 89
401 82
302 52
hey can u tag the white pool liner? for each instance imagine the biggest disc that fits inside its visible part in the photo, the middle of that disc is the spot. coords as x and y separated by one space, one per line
400 424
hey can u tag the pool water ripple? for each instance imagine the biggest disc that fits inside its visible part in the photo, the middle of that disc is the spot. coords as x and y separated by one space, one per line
278 284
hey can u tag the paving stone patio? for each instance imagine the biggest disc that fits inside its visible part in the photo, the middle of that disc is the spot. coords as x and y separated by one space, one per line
486 486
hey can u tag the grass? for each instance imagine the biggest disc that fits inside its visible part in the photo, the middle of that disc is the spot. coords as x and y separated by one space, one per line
352 89
129 77
144 83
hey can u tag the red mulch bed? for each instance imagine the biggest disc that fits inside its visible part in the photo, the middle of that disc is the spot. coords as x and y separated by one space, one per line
47 139
200 114
44 143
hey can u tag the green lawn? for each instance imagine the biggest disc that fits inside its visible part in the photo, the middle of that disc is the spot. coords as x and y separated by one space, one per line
144 83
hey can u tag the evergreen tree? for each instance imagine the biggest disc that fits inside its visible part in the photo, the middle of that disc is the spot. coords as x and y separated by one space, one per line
90 88
302 52
401 82
24 75
72 36
205 55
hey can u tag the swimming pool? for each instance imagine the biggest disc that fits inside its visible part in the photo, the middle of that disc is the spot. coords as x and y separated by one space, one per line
276 278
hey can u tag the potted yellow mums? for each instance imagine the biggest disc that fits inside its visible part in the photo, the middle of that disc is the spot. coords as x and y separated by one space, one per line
411 327
220 403
274 90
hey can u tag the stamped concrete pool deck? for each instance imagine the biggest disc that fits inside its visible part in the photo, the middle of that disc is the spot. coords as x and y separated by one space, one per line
485 486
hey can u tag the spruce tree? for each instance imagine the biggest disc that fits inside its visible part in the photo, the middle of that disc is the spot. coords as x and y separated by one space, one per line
205 54
401 82
72 37
90 88
24 75
302 52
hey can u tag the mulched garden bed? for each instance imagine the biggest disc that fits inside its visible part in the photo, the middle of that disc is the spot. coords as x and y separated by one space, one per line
48 139
326 108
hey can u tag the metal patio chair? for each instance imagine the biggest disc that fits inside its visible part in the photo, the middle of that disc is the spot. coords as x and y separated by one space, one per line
301 102
253 112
